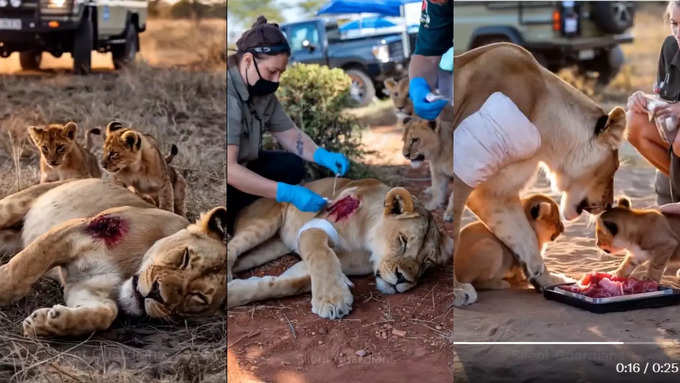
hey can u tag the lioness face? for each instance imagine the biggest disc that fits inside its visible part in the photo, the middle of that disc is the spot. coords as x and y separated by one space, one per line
54 141
586 176
411 242
122 148
185 274
419 140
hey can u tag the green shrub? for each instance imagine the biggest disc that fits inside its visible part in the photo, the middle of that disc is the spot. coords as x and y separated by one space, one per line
314 96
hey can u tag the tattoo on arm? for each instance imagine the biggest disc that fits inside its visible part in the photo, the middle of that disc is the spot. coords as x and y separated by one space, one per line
299 145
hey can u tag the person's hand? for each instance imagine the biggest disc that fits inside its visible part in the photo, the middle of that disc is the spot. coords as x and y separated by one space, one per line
335 162
418 90
669 110
303 198
670 208
637 102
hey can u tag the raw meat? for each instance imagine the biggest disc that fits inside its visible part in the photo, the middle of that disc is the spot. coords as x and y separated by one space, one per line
604 285
343 208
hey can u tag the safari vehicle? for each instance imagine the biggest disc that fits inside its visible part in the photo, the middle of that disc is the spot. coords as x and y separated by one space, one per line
367 60
31 27
559 34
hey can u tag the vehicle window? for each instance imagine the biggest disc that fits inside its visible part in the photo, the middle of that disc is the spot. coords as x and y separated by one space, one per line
299 33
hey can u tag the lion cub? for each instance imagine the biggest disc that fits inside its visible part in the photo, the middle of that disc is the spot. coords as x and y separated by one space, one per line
398 91
432 141
487 263
642 235
135 161
61 156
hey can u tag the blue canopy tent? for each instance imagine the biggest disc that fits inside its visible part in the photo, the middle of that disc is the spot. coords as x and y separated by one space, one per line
382 7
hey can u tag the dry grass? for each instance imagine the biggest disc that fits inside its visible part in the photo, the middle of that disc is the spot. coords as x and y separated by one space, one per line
185 107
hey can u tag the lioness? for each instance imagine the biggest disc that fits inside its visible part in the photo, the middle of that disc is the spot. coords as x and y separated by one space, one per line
61 156
579 143
369 229
642 235
487 263
135 258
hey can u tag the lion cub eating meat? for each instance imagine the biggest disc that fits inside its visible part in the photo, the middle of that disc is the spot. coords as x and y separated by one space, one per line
487 263
643 235
134 160
61 157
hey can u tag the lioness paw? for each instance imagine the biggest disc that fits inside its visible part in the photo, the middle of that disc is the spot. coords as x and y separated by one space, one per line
464 294
333 299
46 322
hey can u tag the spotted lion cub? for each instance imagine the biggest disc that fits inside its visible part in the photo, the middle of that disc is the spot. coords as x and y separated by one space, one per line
642 235
134 160
488 263
61 156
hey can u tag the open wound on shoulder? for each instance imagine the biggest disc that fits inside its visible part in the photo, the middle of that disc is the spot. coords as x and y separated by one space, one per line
343 207
107 228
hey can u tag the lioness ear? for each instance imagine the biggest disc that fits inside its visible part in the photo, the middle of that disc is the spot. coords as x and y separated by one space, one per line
113 126
132 139
35 133
623 202
610 129
390 84
398 201
214 223
69 130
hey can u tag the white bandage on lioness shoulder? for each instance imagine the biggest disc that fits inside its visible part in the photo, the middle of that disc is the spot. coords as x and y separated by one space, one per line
322 224
496 135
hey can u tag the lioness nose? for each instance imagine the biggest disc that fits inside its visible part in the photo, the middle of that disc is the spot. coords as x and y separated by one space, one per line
155 293
400 277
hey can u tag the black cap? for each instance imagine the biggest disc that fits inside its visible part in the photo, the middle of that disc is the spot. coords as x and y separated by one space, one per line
263 37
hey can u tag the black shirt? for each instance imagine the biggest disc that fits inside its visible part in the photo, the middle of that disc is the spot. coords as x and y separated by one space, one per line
668 76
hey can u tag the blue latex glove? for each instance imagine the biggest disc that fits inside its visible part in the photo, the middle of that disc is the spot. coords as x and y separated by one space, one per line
303 198
418 90
335 162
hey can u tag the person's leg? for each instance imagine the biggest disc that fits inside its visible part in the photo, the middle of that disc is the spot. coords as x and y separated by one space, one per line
279 166
274 165
642 134
662 187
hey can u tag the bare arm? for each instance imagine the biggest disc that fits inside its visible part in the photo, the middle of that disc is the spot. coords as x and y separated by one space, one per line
426 67
296 141
246 180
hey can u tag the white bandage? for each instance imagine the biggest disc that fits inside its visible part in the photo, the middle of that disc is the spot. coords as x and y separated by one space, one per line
496 135
318 223
668 126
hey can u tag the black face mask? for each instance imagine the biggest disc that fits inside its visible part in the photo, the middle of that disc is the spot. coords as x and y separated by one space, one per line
262 87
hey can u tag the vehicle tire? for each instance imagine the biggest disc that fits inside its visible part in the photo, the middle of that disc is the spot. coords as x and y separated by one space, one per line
362 89
30 60
124 54
614 16
607 64
82 47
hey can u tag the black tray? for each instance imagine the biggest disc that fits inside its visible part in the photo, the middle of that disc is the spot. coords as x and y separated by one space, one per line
665 296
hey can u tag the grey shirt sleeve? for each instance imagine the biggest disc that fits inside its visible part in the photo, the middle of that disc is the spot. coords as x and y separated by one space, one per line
279 121
234 114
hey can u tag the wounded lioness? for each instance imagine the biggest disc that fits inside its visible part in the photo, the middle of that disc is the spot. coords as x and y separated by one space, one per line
578 142
134 258
368 228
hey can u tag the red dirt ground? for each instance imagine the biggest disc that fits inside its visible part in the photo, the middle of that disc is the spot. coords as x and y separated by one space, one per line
402 337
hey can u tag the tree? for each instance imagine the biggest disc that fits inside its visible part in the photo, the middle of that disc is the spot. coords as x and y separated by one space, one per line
245 12
310 7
